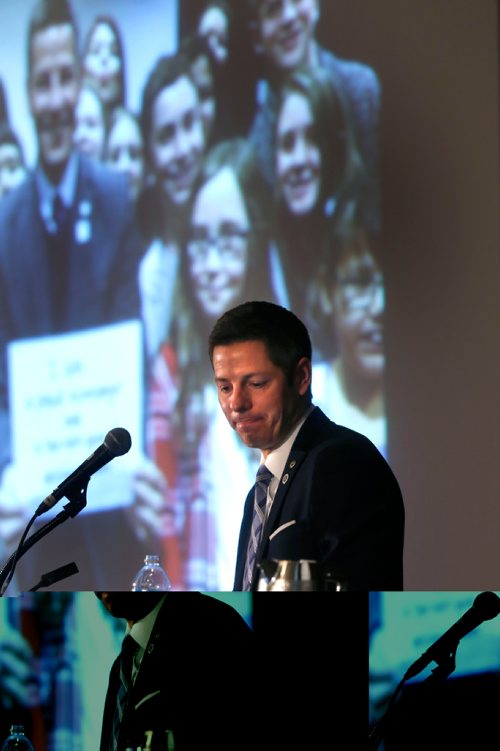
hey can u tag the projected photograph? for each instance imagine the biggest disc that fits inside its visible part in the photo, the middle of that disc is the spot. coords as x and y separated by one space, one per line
57 650
160 163
449 688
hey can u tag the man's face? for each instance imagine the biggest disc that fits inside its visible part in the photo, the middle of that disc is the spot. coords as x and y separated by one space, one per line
130 605
286 30
255 396
177 139
53 92
298 158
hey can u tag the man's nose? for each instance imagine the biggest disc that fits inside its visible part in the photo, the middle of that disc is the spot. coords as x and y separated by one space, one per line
239 401
57 95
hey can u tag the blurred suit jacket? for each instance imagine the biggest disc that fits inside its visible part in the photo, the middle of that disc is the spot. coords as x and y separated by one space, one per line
193 678
102 249
101 252
338 502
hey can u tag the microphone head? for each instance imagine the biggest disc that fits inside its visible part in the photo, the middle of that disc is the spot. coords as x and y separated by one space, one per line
487 604
118 441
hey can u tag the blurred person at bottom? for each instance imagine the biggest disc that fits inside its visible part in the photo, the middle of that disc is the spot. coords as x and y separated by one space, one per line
224 262
351 385
189 673
327 495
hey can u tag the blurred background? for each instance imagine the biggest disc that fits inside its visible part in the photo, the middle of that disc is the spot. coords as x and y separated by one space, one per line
413 162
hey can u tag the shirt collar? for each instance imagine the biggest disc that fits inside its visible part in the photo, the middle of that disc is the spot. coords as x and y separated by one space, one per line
276 459
141 630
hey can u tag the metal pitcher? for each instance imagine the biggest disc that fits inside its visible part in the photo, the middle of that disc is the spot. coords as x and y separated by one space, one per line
289 576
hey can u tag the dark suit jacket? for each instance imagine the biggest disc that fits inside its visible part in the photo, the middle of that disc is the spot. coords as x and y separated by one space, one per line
344 505
193 679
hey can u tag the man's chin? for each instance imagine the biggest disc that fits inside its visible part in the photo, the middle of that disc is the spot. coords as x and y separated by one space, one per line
130 605
249 439
54 156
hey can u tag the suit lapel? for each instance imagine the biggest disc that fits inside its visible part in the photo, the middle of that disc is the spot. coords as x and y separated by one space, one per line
315 429
31 262
292 465
147 677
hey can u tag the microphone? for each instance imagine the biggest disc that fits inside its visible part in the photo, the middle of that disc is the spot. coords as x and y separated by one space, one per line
485 606
116 443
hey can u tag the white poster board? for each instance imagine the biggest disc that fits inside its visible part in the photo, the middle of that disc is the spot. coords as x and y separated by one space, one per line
66 393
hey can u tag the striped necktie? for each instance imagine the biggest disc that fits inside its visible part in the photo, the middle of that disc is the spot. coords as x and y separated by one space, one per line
129 648
264 477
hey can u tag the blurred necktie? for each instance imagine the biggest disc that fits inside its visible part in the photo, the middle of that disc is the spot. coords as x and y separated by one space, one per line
59 213
264 477
129 648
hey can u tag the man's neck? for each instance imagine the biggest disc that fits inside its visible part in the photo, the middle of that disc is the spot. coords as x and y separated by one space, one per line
54 172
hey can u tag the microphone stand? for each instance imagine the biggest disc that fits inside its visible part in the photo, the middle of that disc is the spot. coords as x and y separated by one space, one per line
445 666
77 497
55 576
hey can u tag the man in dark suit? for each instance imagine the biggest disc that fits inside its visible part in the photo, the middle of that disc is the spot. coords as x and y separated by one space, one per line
330 496
69 248
191 673
68 245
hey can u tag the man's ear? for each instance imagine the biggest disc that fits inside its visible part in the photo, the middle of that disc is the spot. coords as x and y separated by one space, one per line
303 375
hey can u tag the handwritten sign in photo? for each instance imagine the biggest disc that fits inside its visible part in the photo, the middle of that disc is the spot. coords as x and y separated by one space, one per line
86 383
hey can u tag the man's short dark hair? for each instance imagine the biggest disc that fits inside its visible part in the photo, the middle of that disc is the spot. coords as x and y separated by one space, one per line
285 336
48 13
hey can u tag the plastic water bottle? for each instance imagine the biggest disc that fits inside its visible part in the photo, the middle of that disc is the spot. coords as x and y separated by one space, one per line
151 577
17 740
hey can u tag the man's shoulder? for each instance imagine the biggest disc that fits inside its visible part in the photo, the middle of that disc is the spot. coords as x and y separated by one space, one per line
185 611
17 215
351 73
99 180
19 198
319 431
